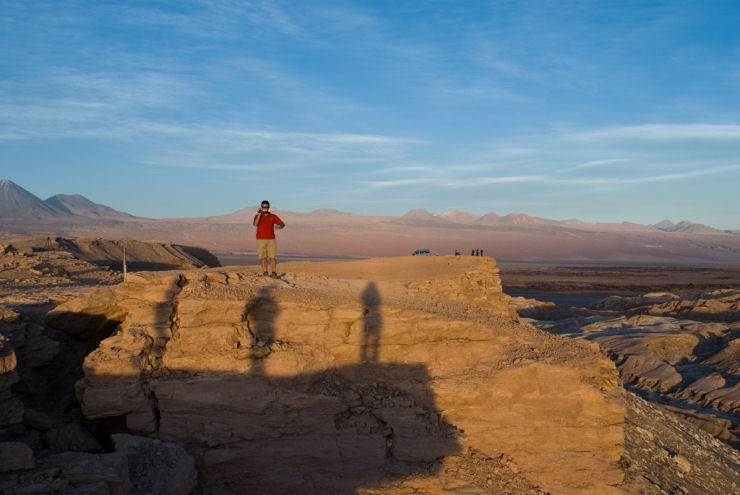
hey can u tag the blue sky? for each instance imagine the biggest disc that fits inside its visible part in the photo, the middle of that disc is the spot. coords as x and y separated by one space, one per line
602 111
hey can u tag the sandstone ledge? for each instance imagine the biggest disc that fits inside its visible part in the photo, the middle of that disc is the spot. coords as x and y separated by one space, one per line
346 375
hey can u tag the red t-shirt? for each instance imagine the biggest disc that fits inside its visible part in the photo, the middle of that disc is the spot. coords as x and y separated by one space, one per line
266 227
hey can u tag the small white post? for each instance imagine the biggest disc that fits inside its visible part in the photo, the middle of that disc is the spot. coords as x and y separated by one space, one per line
124 261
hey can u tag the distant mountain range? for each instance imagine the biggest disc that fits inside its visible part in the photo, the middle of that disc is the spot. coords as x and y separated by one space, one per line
330 232
19 205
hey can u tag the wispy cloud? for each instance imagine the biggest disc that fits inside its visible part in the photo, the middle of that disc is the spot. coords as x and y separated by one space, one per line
510 180
344 18
472 182
594 164
214 18
403 182
235 148
681 176
662 132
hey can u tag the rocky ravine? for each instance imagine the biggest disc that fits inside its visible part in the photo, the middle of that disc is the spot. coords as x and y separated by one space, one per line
396 376
681 348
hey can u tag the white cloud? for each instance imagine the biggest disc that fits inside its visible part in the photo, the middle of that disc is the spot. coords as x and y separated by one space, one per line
508 180
470 182
550 180
403 182
215 18
681 176
661 132
597 164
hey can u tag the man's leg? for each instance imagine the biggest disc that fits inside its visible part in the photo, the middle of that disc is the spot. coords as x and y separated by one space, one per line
262 255
272 250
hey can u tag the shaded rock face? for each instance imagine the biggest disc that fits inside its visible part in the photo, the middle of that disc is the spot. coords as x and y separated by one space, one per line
11 409
140 255
683 349
139 466
341 377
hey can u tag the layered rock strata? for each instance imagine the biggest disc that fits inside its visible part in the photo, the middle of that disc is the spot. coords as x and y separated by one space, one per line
341 377
684 349
673 455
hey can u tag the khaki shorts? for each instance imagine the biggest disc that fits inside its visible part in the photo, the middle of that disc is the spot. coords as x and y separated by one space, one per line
266 248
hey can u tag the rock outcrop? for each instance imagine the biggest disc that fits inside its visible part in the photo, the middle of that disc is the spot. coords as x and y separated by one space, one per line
405 375
11 409
139 466
665 449
140 255
684 348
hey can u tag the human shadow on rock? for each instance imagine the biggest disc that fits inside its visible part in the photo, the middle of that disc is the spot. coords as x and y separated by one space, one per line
257 331
372 324
333 431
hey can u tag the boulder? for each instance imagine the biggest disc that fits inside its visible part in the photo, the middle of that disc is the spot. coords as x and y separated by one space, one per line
15 456
83 469
11 409
156 467
8 361
72 437
36 420
8 249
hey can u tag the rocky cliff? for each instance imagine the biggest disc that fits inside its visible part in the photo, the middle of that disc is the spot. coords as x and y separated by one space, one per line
683 348
403 375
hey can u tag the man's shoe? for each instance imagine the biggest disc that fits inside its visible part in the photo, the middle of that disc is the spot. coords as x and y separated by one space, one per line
264 274
273 275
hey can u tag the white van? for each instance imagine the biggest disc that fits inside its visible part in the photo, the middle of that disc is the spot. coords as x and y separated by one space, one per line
421 252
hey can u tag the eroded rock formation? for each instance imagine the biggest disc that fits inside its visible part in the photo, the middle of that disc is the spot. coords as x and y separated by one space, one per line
340 377
11 409
685 348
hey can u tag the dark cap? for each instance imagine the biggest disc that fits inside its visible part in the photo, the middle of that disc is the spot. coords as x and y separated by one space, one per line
265 202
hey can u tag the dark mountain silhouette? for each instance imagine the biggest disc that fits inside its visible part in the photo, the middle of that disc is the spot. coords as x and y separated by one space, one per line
76 204
19 205
16 202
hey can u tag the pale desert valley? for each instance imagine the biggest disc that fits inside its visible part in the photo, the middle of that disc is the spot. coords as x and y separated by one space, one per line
566 358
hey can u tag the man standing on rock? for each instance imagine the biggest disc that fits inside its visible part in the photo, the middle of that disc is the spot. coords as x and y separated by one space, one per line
266 224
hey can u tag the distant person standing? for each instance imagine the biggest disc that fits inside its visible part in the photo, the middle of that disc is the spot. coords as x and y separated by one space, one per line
266 224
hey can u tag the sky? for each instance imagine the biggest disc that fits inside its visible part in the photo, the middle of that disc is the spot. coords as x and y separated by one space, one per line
597 110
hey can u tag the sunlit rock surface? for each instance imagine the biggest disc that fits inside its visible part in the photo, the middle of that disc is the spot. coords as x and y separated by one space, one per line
403 375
